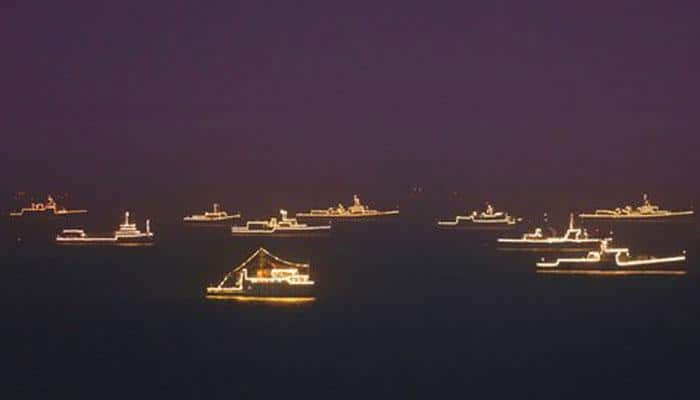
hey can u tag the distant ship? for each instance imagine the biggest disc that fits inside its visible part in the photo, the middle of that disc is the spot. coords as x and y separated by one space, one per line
488 219
613 261
279 227
357 211
211 217
264 276
647 211
127 234
50 208
573 239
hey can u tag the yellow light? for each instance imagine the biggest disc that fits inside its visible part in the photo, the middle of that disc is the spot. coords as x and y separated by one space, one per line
602 272
253 299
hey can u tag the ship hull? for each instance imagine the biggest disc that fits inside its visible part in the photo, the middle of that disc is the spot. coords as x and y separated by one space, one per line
675 217
106 241
670 266
335 219
214 224
548 246
46 214
477 226
283 233
268 290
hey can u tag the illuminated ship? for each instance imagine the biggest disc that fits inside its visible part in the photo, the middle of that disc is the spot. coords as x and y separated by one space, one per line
488 219
279 227
646 211
573 239
614 261
264 276
357 211
50 208
127 234
214 216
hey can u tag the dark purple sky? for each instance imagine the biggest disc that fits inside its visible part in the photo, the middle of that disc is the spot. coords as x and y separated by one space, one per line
479 83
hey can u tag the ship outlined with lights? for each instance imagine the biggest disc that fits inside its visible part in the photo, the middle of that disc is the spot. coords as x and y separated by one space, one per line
487 219
284 226
50 208
614 261
127 234
216 216
265 277
645 212
574 239
356 212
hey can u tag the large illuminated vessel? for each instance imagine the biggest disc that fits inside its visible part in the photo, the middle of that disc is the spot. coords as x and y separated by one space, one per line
573 239
127 234
488 219
50 208
209 217
613 261
264 276
279 227
357 211
647 211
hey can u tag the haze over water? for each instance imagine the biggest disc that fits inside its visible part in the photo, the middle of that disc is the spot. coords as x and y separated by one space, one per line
164 108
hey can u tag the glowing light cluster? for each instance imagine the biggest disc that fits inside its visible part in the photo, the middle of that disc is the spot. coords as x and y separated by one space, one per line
289 275
487 217
356 210
646 211
49 207
127 232
274 226
621 257
571 236
215 215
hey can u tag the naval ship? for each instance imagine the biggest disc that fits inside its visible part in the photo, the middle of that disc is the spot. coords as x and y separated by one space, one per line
356 212
48 209
127 234
573 239
614 261
279 227
487 219
214 217
645 212
264 276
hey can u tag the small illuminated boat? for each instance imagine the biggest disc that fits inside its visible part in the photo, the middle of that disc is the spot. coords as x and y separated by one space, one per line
265 277
127 234
613 261
488 219
573 239
357 211
647 211
50 208
279 227
214 216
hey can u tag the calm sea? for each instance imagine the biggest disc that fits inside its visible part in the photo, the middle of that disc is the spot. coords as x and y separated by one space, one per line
401 310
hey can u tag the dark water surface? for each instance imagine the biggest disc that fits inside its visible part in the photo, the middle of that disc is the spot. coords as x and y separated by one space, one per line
400 310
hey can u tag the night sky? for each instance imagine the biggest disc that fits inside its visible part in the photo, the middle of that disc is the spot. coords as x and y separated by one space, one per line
460 93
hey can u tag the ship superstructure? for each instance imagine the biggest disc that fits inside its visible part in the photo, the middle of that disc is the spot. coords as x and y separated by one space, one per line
49 208
265 276
487 219
284 226
127 233
646 211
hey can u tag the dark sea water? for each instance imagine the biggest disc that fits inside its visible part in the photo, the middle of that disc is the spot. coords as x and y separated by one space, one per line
402 310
